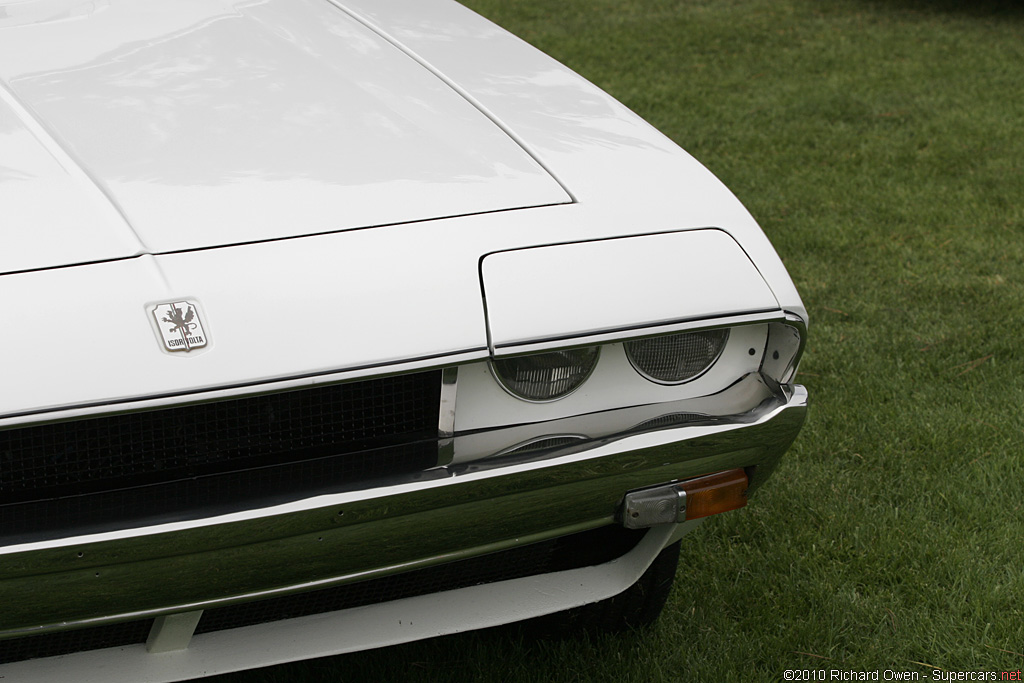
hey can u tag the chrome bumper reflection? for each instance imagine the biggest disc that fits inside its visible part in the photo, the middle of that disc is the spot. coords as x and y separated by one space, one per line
491 491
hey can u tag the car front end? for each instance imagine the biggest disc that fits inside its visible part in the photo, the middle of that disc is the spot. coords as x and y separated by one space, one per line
268 398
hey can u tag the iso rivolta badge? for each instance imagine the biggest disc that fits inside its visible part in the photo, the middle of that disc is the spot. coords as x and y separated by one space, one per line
180 326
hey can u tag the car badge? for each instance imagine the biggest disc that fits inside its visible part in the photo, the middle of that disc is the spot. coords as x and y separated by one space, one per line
180 326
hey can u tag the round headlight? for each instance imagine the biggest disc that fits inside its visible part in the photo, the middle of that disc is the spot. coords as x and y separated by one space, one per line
546 376
676 358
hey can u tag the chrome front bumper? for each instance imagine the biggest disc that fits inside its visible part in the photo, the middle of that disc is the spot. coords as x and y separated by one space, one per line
492 491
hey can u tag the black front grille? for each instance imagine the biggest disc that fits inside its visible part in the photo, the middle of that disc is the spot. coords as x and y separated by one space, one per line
256 445
582 549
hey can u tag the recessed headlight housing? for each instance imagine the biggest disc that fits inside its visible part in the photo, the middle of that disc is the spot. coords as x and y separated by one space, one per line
546 376
677 358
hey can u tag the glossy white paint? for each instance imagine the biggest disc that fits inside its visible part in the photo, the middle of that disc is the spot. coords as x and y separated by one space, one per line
271 311
212 123
332 304
135 133
51 211
569 291
603 153
335 303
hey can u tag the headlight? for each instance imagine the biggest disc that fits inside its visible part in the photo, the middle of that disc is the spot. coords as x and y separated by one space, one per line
546 376
676 358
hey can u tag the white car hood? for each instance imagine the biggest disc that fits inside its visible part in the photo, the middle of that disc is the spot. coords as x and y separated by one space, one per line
156 127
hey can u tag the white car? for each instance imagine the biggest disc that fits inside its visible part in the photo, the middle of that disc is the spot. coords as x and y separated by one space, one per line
334 324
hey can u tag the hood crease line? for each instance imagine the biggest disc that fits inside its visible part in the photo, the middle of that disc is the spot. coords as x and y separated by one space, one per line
67 161
462 92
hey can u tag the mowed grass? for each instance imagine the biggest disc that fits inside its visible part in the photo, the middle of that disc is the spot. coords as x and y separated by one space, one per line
880 145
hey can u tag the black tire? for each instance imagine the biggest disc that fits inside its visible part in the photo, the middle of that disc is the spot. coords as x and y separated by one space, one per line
636 607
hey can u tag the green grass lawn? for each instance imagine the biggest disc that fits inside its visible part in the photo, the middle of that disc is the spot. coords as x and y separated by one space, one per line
880 145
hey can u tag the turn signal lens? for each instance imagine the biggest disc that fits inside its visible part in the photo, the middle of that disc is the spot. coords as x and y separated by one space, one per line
546 376
684 500
677 358
715 493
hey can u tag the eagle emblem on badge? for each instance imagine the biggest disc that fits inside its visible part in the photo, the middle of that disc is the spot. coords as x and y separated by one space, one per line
180 326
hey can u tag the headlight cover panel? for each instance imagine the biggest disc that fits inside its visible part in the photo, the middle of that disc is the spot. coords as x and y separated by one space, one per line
601 290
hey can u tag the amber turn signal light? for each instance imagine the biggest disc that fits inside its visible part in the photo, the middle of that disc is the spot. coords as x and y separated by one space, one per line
683 500
715 493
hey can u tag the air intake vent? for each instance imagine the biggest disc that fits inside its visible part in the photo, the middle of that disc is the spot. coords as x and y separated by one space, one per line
209 451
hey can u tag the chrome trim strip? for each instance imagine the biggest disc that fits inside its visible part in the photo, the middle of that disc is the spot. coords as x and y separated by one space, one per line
446 415
299 587
747 397
783 349
446 411
335 539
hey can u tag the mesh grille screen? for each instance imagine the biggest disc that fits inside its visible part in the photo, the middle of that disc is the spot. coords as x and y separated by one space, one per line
118 451
199 497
